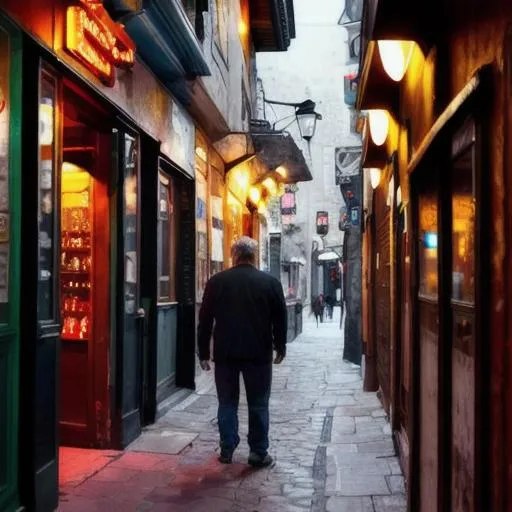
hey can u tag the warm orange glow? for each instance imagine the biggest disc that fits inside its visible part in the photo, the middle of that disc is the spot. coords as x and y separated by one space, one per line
254 195
282 171
242 28
395 57
262 208
378 121
75 186
241 178
98 42
271 185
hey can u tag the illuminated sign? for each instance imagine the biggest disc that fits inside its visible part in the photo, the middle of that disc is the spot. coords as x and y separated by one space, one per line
98 42
430 240
322 223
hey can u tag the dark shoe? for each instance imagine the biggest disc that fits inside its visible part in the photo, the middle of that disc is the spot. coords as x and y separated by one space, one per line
257 461
226 455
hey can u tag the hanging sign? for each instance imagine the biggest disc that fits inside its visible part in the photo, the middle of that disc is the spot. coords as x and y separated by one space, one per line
97 41
322 223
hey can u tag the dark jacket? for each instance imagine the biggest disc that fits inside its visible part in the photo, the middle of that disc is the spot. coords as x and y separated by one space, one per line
249 311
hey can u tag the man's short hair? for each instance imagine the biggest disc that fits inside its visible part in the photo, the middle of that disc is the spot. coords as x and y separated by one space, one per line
244 249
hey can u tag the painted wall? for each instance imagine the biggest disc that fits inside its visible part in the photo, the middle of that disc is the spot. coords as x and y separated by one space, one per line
313 67
229 86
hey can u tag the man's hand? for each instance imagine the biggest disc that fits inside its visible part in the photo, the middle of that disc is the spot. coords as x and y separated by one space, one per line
279 357
205 365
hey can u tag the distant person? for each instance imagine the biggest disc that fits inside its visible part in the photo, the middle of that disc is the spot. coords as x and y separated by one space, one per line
318 308
329 303
248 309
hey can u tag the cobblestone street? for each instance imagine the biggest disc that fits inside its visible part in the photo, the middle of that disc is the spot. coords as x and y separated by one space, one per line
331 444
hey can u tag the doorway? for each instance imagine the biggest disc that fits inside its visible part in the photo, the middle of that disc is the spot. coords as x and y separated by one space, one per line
84 274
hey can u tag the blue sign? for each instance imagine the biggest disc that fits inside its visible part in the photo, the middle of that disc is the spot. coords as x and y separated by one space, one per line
354 216
430 240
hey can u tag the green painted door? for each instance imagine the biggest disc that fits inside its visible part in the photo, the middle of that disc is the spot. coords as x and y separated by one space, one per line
10 159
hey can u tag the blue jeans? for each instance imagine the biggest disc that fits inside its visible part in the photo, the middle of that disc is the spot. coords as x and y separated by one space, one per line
258 381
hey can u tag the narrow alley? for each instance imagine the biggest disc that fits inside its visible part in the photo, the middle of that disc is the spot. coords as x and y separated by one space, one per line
331 443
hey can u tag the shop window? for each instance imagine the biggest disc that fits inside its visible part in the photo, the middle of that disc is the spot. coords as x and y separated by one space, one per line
463 228
201 224
47 231
166 258
292 281
428 243
4 176
216 220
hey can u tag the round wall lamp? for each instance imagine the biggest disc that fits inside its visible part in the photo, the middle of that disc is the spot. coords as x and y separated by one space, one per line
254 195
378 121
395 57
375 174
282 171
271 185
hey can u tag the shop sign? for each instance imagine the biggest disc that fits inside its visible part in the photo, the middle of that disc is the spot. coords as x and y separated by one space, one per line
354 216
322 223
343 222
347 164
97 41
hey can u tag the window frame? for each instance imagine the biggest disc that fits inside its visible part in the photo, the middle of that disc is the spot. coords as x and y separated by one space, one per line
167 181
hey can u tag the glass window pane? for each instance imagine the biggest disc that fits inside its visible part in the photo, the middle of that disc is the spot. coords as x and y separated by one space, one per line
46 288
4 176
428 224
217 221
463 228
202 234
130 226
164 238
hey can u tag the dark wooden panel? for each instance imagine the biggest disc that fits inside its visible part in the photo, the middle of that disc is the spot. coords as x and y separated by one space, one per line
166 342
74 381
428 407
383 298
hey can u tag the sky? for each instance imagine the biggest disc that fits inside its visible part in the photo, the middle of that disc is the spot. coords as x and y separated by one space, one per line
313 12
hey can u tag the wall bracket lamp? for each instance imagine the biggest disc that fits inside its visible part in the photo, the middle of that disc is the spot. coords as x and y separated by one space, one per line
304 114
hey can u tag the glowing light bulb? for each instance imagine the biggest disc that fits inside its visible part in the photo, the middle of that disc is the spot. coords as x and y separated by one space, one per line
375 174
271 185
395 57
379 125
254 195
282 171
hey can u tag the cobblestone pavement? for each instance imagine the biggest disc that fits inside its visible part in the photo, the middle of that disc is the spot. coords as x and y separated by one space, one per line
331 444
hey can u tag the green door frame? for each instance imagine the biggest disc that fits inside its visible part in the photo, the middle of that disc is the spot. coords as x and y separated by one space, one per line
9 332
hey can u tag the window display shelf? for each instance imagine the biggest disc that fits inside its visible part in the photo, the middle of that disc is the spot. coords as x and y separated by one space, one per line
84 250
69 338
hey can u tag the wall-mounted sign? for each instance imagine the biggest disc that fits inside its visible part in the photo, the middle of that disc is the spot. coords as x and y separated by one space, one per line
97 42
347 164
322 223
354 216
343 222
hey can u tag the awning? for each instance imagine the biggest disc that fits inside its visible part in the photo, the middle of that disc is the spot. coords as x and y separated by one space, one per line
276 149
235 148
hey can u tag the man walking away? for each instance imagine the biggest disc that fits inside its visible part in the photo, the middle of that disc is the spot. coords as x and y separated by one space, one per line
248 309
